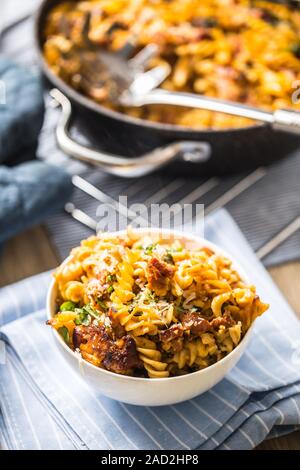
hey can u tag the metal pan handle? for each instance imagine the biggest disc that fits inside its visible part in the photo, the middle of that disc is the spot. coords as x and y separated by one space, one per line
282 119
196 152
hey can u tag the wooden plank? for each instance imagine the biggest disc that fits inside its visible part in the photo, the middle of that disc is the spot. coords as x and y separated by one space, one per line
25 255
287 277
289 442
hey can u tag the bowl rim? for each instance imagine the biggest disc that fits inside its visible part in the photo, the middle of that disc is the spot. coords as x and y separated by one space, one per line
177 233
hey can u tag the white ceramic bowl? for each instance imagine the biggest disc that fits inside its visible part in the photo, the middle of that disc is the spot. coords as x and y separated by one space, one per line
145 391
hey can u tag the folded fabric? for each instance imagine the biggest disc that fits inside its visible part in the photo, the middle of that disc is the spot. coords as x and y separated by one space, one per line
29 193
21 112
45 404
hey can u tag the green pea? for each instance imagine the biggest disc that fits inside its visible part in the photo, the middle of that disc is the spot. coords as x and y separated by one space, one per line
68 306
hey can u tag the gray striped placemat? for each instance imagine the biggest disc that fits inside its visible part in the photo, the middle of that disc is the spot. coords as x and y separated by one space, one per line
260 211
262 202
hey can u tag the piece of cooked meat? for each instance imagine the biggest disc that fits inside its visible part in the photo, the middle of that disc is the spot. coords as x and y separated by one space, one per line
172 338
97 347
195 323
159 274
93 342
191 324
174 332
122 356
226 320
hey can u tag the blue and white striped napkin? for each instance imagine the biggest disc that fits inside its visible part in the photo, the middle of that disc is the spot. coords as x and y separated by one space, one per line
44 404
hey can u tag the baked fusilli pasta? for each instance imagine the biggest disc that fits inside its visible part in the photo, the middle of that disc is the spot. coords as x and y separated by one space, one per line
151 307
238 50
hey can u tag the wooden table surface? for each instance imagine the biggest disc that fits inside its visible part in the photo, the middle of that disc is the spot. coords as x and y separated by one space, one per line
32 253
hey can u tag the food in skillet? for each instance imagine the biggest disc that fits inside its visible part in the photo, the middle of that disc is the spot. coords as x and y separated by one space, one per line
151 308
239 50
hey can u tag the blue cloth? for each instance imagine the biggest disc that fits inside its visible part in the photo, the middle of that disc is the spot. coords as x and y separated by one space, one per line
45 404
30 192
21 112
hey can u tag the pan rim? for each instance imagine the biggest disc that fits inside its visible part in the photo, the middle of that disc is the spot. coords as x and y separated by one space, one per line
83 100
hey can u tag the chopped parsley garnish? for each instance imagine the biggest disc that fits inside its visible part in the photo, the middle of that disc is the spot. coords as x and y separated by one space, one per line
110 289
102 304
168 258
84 318
148 296
179 309
85 315
67 306
91 311
64 332
111 278
149 249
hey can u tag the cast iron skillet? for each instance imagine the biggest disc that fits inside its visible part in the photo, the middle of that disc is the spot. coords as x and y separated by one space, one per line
232 150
